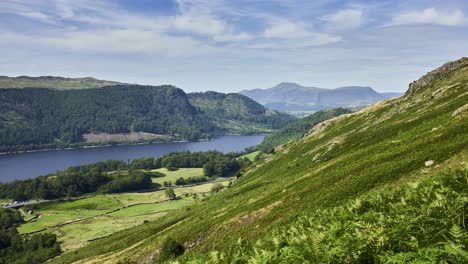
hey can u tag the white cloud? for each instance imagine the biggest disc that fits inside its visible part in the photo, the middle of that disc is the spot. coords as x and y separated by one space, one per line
128 41
345 19
204 25
430 16
289 35
286 30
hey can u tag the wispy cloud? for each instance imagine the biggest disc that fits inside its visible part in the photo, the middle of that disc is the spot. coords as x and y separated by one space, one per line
232 45
430 16
345 19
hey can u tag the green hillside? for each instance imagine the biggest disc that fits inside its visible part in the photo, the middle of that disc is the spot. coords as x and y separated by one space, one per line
32 118
297 129
418 137
237 113
53 82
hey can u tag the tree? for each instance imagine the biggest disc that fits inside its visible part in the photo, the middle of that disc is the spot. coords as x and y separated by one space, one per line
217 187
170 194
171 249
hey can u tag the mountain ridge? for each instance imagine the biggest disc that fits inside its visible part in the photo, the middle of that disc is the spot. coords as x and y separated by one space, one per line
289 96
54 82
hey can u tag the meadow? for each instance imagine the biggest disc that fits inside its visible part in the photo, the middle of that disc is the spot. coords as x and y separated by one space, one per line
251 156
78 222
172 176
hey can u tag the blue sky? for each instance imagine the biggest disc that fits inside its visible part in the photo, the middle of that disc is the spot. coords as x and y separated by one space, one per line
233 45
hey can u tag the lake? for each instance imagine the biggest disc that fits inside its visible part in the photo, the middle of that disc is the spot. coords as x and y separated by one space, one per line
28 165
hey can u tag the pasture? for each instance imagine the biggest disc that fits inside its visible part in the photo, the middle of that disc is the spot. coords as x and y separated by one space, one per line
172 176
77 222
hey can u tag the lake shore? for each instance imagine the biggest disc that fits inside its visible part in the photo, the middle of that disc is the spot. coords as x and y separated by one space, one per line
30 164
110 144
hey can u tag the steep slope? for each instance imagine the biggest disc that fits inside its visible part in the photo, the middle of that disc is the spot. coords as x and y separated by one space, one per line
297 129
294 97
236 113
53 82
379 148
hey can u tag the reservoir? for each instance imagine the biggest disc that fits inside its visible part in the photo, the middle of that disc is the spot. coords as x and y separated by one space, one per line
29 165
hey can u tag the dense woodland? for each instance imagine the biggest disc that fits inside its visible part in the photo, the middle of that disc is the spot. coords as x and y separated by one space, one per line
15 248
297 129
243 111
107 176
35 118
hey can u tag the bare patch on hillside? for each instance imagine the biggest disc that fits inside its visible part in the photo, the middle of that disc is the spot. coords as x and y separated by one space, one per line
122 137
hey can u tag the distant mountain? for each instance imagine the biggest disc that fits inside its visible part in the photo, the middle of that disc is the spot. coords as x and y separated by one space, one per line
36 118
294 97
53 82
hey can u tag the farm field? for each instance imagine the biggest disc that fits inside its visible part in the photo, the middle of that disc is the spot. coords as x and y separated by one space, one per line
62 212
79 234
77 222
251 156
142 209
172 176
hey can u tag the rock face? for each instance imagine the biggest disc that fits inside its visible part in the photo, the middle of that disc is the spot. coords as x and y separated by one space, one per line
437 74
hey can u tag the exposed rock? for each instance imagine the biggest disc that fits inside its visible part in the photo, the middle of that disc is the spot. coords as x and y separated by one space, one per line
460 110
429 163
121 137
436 74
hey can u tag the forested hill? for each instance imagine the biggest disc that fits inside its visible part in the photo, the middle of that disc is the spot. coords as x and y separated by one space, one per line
238 113
33 118
53 82
386 184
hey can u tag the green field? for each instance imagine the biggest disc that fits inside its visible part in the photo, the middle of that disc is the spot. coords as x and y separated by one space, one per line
142 209
99 216
251 156
172 176
61 212
79 234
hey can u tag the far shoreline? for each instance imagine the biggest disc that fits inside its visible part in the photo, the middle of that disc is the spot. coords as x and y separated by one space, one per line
110 144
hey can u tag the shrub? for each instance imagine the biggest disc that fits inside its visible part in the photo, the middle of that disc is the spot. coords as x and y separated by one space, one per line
171 249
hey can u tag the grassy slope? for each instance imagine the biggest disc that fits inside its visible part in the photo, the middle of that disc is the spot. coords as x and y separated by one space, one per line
381 146
297 129
53 82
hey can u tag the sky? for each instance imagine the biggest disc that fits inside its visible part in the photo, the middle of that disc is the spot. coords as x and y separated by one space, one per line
232 45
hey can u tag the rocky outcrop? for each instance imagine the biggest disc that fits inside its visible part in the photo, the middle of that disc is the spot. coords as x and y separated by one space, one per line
436 74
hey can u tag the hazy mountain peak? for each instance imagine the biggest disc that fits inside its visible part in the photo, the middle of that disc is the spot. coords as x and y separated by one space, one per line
289 96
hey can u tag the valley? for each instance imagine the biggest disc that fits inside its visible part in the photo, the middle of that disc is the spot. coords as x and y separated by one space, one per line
233 132
340 162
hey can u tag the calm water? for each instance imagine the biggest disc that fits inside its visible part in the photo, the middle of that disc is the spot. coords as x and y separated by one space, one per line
28 165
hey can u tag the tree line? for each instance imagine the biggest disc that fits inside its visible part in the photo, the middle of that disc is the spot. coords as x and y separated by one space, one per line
15 248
